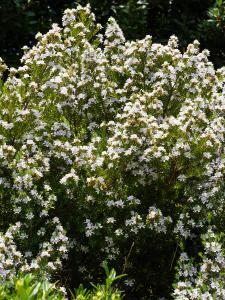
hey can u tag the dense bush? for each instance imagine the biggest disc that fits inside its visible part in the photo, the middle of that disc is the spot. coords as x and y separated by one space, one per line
110 150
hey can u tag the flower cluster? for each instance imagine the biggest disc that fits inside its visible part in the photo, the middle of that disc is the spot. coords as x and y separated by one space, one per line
204 280
107 143
44 262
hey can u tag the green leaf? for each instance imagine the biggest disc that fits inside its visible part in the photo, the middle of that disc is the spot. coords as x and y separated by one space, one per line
219 2
35 290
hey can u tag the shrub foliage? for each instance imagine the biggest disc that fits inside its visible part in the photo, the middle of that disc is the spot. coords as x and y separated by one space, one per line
109 150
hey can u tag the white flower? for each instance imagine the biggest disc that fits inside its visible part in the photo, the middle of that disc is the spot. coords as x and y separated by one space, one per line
129 282
64 90
29 216
110 220
119 232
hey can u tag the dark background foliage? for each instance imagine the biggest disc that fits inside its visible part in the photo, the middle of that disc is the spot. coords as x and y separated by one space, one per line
204 20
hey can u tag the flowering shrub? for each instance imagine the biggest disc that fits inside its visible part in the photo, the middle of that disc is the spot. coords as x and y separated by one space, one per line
206 280
110 149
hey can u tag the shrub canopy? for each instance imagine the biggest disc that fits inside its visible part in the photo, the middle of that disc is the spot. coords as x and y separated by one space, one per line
110 149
